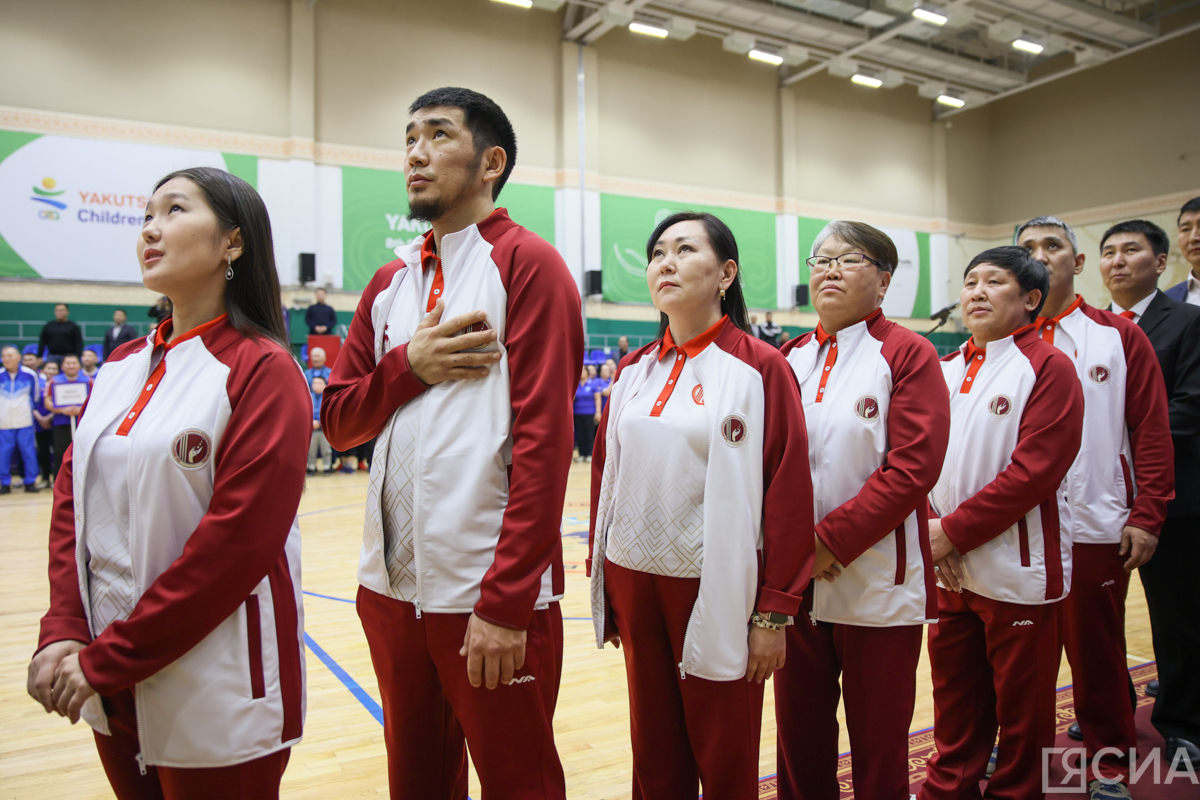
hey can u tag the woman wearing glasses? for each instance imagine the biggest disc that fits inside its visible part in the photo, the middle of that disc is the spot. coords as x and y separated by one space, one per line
878 421
698 555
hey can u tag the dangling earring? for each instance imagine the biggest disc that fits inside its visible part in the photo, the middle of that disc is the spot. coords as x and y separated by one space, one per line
229 271
722 294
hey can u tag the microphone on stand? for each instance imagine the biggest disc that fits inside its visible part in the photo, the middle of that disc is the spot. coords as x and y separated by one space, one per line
942 317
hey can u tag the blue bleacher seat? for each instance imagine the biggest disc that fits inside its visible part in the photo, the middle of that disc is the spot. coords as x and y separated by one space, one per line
304 354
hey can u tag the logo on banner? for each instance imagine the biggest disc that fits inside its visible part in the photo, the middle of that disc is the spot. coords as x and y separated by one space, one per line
1000 406
191 448
45 194
733 430
867 408
698 394
1099 374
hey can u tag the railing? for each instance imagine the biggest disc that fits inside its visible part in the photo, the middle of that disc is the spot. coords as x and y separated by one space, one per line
29 331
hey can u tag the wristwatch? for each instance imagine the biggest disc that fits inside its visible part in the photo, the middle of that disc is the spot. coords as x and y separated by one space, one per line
772 620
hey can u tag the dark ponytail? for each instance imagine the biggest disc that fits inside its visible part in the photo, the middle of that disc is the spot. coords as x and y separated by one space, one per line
252 299
725 246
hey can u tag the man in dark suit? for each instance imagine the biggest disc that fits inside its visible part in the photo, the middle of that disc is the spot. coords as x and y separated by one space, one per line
1188 223
118 334
1132 256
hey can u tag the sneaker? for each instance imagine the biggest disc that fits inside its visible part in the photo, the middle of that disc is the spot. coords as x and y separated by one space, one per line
1152 689
362 466
31 488
348 470
311 471
329 471
1099 790
1075 732
5 490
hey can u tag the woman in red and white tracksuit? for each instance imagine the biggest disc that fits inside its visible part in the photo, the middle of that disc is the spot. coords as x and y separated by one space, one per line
698 558
175 626
878 420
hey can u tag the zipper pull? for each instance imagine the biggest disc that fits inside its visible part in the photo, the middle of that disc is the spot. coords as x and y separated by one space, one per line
682 674
812 617
141 762
417 605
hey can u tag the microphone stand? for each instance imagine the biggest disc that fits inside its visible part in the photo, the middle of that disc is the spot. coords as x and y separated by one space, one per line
942 318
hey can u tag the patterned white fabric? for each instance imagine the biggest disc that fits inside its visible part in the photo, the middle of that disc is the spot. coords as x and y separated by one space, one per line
111 589
397 501
658 516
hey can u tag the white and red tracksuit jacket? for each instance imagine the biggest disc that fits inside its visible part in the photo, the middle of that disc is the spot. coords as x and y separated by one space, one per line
214 646
1125 471
486 461
878 424
1016 418
758 551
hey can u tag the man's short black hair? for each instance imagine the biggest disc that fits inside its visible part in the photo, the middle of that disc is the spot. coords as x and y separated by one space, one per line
115 310
1189 207
487 122
1155 235
1030 273
64 305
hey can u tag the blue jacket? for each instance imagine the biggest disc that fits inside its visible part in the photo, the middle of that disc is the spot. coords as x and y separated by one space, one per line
18 395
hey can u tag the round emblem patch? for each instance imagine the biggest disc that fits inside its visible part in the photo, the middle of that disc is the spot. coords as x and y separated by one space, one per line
191 448
867 408
1099 374
698 394
475 327
733 430
1000 406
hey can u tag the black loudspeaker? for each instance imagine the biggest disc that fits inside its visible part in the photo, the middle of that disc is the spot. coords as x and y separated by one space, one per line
801 296
591 282
308 267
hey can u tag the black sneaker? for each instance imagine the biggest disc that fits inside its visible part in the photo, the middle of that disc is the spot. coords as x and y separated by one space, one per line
311 471
1152 689
1075 732
5 490
31 488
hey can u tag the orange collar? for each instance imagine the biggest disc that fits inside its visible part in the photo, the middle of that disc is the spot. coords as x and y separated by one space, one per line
974 350
823 337
427 251
696 346
163 331
1043 320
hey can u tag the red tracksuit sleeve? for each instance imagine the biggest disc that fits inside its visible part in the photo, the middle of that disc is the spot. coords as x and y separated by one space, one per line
788 544
1149 426
259 478
362 395
544 339
918 430
66 618
1047 443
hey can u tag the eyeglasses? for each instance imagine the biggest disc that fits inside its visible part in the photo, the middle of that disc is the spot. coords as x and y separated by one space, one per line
848 262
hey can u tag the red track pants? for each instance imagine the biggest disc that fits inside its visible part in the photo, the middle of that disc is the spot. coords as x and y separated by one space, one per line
684 730
994 664
879 669
253 780
431 712
1093 635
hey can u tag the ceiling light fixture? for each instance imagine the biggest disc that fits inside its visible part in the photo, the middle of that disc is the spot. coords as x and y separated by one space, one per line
648 30
1027 46
521 3
764 56
951 100
932 17
866 80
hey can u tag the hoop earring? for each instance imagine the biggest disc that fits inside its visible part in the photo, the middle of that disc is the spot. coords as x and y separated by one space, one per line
722 294
229 270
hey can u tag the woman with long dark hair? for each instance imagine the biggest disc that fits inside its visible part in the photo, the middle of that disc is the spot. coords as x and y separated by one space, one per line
178 637
698 558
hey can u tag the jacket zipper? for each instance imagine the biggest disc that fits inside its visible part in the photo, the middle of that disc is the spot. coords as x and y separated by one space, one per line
687 631
137 689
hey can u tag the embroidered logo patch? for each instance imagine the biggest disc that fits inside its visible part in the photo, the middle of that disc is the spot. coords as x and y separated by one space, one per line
698 394
475 327
733 430
1099 374
867 408
1000 406
191 449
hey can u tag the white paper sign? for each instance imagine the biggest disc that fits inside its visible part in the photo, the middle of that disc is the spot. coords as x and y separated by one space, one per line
69 394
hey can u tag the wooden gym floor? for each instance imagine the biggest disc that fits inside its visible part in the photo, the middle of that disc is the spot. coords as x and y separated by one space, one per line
342 756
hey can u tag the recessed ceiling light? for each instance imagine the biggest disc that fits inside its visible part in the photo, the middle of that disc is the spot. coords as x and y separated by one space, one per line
521 3
866 80
763 55
648 30
1028 46
951 100
932 17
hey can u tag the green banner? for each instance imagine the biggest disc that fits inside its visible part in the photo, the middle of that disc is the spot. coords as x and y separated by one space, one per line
626 222
11 264
375 219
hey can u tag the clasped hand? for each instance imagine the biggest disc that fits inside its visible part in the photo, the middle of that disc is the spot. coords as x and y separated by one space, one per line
57 681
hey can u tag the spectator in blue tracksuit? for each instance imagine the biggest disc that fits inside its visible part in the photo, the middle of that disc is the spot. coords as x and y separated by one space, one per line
71 373
318 368
19 392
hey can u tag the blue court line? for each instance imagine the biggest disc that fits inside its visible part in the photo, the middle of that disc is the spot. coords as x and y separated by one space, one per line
359 693
334 508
